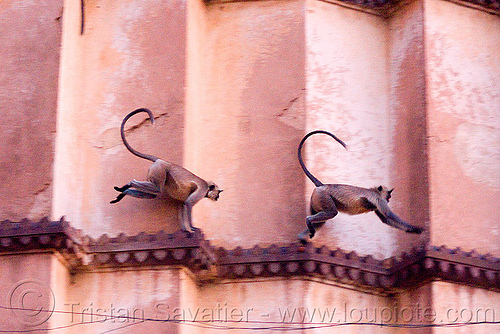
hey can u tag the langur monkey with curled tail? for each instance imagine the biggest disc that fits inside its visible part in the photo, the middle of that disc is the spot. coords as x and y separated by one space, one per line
176 181
328 199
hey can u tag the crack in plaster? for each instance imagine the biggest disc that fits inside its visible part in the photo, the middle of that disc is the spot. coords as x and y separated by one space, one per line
45 186
43 202
292 102
111 137
291 114
141 124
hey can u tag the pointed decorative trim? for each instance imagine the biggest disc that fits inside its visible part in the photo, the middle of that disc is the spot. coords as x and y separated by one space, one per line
180 248
385 7
422 264
24 236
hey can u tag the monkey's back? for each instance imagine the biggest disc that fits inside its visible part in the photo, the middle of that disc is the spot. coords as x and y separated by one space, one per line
348 199
179 183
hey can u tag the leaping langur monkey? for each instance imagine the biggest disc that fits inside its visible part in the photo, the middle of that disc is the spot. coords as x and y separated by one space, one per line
328 199
176 181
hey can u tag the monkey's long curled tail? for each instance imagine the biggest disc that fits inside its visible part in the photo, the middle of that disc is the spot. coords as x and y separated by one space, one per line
316 182
122 132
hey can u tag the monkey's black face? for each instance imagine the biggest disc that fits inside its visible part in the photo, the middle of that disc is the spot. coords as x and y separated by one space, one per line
214 195
384 192
213 191
217 196
389 194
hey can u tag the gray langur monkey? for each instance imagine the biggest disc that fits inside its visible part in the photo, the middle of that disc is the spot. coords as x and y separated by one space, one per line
328 199
176 181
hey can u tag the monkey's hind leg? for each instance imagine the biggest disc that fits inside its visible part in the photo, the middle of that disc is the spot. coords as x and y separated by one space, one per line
133 193
307 232
145 186
319 219
142 189
118 198
315 221
322 208
141 186
122 189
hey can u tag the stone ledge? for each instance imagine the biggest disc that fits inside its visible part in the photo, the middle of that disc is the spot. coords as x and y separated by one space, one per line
180 248
28 236
193 251
385 7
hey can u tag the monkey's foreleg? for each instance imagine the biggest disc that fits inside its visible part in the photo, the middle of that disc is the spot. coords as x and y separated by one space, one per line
185 219
393 220
187 209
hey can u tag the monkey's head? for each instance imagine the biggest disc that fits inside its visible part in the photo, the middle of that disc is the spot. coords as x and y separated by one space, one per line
213 191
384 192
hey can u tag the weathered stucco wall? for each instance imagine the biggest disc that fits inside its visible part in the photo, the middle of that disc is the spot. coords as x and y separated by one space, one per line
131 55
30 36
37 283
407 119
348 95
463 304
245 117
235 86
129 300
463 79
272 303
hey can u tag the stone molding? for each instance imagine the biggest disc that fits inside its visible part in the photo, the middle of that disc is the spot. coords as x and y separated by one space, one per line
180 248
386 7
26 236
422 264
209 263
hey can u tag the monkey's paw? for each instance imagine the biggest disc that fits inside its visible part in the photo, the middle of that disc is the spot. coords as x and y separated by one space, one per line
414 229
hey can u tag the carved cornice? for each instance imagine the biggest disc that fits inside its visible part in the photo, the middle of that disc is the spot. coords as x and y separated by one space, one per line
408 269
194 252
385 7
28 236
180 248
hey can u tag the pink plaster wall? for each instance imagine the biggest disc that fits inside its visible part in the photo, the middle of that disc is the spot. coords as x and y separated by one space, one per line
463 304
277 303
413 306
357 76
36 282
122 301
30 36
463 64
245 117
407 116
236 85
131 55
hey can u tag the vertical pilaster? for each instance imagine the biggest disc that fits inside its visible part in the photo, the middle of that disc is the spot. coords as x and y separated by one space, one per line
131 55
245 117
30 36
